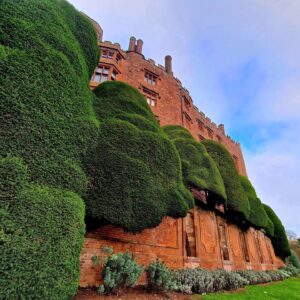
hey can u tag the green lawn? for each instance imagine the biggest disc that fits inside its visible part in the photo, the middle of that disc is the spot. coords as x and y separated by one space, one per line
285 290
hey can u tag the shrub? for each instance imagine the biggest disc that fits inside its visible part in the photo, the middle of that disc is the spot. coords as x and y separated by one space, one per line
41 237
134 169
159 277
255 277
119 271
291 270
293 259
275 275
198 169
258 217
203 281
279 239
284 274
237 200
250 275
263 277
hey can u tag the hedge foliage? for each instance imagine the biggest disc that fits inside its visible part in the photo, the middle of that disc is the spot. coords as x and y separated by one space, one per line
293 259
258 217
237 201
48 51
269 229
47 54
41 235
198 168
279 238
134 168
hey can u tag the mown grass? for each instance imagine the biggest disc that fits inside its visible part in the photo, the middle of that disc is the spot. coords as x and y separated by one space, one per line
288 289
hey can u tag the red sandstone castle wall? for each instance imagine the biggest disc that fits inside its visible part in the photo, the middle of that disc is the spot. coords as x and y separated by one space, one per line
202 239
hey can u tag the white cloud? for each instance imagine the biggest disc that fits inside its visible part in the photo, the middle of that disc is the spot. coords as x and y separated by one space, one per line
275 172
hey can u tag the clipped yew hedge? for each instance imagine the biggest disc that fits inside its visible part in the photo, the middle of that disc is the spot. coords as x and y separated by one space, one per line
41 235
279 238
258 216
48 51
198 168
47 54
237 201
134 169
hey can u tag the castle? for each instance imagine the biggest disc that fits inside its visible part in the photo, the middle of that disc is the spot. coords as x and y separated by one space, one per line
204 238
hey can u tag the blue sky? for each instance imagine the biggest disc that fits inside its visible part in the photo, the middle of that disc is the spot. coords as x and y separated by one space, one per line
240 60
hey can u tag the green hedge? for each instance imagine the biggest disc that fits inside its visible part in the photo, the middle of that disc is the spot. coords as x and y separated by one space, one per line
134 169
279 238
41 235
47 54
293 259
48 51
258 216
198 168
269 228
237 201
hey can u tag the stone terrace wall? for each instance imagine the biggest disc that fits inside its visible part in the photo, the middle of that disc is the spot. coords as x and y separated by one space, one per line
168 243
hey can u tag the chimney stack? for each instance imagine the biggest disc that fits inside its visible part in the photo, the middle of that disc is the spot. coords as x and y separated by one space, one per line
132 44
139 46
221 127
168 64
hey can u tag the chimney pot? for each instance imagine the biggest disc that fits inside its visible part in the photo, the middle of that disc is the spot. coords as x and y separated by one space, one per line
132 44
139 46
168 64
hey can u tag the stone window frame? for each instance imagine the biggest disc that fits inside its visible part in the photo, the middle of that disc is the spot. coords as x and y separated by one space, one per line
244 245
188 122
186 102
107 53
150 77
101 73
258 247
118 58
210 132
190 250
225 255
200 125
267 241
201 137
151 97
114 74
